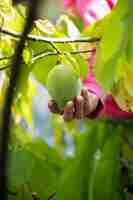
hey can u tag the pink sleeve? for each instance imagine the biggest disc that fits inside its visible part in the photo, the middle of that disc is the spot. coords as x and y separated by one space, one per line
90 82
107 107
90 10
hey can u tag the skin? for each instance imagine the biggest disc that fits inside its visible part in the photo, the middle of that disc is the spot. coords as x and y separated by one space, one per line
79 108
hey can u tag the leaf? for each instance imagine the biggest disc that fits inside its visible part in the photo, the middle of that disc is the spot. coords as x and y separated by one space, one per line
129 50
77 62
34 171
13 20
41 68
104 181
6 47
105 72
45 27
39 47
69 60
83 65
74 180
71 28
111 46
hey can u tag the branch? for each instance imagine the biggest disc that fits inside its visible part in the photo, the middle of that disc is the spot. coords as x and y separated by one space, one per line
6 67
45 54
5 58
50 39
81 51
5 129
52 196
54 47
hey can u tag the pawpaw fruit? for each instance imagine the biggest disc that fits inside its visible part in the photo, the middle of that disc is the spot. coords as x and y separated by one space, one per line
63 84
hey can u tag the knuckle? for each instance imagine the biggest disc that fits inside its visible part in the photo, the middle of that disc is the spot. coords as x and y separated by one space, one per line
69 104
79 112
67 117
79 99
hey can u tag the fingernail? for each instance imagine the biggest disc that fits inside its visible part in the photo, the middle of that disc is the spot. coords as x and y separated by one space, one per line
79 98
70 104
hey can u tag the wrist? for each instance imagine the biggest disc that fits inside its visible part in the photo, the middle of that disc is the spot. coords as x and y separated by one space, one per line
96 112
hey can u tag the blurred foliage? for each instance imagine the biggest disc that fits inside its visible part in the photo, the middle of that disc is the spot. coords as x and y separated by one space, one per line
85 159
113 67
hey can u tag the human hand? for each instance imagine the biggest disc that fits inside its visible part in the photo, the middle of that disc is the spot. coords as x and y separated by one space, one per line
80 107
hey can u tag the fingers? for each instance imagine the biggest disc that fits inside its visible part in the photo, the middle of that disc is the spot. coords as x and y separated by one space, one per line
86 102
93 102
53 107
90 101
79 107
69 111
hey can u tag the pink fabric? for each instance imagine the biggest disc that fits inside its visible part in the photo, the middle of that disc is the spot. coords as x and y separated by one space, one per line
90 82
112 110
90 11
107 108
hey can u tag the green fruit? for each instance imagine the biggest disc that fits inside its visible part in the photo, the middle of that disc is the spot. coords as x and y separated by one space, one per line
63 84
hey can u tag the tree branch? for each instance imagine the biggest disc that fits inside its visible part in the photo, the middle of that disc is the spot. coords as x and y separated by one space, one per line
50 39
6 67
5 58
5 129
46 54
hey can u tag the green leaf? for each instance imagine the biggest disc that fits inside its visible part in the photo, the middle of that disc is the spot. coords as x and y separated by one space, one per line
77 62
35 170
45 27
104 182
70 27
111 46
129 50
82 64
74 181
42 67
13 20
106 72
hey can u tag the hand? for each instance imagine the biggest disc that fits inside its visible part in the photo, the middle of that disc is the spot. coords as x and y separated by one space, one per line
79 108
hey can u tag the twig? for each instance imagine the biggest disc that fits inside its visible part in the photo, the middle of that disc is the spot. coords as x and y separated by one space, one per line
6 58
81 52
52 196
46 54
50 39
42 55
54 47
6 67
5 130
35 196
